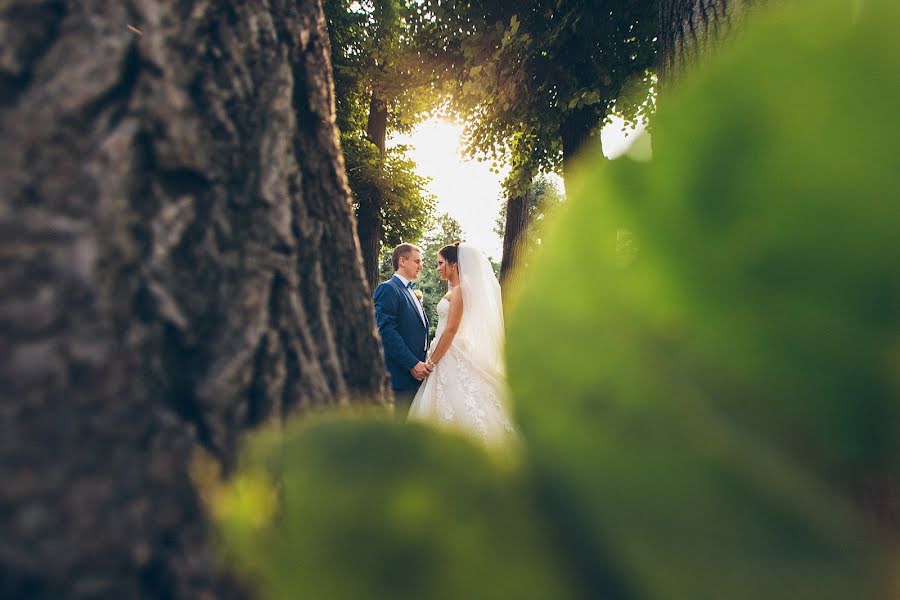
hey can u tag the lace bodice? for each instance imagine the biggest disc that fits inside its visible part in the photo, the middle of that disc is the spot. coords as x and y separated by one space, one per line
443 310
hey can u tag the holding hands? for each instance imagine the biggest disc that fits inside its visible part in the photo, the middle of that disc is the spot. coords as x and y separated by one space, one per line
422 370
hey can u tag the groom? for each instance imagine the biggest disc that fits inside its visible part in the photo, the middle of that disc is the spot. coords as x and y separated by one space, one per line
403 327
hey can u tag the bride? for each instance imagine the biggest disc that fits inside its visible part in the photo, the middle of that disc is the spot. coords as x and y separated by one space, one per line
466 388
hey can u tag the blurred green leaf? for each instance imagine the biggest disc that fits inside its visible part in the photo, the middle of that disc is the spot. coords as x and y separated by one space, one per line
381 510
735 382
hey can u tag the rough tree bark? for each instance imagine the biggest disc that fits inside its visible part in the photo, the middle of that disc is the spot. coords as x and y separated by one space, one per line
370 220
690 28
515 238
179 264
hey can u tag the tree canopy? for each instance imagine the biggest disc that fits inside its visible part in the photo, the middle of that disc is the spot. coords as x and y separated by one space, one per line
533 80
385 82
406 204
543 198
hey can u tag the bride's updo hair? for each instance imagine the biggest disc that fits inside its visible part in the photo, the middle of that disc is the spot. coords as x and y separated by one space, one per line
450 253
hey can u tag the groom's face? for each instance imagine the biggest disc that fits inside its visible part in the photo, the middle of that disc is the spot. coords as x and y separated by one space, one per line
411 266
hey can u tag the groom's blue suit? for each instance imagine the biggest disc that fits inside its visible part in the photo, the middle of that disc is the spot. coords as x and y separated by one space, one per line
403 333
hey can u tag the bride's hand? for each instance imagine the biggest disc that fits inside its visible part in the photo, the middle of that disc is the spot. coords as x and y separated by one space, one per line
420 371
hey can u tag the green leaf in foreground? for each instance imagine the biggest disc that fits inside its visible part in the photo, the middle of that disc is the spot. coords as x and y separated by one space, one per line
710 410
380 510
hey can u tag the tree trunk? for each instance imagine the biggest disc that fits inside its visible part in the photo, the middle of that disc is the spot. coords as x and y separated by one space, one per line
575 134
690 28
515 239
371 222
179 265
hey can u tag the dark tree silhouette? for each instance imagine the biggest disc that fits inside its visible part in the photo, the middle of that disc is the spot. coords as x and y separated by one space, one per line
689 28
515 238
180 264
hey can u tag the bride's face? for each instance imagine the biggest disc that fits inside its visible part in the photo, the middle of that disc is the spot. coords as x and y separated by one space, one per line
443 268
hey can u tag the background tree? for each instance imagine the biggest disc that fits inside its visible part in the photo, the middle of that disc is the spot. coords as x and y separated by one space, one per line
534 81
385 82
690 28
525 215
406 204
174 214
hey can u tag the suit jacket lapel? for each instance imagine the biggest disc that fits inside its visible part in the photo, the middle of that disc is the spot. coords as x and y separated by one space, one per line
405 291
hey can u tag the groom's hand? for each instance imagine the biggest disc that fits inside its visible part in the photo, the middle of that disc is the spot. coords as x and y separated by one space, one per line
420 371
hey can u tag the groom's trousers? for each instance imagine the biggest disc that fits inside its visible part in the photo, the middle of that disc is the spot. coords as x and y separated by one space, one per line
402 401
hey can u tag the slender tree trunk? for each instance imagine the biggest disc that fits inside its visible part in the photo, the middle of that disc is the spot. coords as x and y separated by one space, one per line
688 29
179 264
575 134
376 127
370 219
515 238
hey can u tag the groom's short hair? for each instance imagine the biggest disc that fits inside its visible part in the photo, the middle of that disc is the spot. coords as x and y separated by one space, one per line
403 250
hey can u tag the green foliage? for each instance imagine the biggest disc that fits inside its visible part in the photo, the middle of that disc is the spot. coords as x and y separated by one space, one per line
495 266
349 60
735 382
407 207
696 419
368 516
523 69
377 49
544 198
383 47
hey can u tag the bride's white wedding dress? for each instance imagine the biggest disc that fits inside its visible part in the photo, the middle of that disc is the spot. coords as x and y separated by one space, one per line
460 395
467 389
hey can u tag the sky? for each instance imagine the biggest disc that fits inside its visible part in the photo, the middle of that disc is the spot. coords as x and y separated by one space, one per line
466 189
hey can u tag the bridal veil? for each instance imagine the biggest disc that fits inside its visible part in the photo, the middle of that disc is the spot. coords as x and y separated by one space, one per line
481 333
